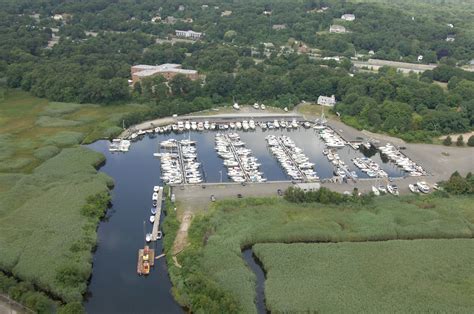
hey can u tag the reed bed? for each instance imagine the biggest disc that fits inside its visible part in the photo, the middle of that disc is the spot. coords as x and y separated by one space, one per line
399 276
236 224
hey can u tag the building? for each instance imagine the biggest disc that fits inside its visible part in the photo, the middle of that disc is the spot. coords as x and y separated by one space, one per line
348 17
181 8
226 13
267 12
156 19
450 38
338 29
168 70
188 34
327 101
278 27
170 20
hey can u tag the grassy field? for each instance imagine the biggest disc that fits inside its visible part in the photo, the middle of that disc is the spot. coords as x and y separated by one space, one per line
376 277
313 110
217 238
46 179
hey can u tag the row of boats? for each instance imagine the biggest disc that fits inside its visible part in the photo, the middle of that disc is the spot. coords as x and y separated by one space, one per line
370 167
246 125
179 162
402 161
241 165
341 169
292 159
418 187
119 145
331 139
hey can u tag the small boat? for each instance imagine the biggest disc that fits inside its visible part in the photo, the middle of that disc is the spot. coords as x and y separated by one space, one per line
413 188
148 237
153 210
156 188
155 196
375 191
152 219
159 235
262 106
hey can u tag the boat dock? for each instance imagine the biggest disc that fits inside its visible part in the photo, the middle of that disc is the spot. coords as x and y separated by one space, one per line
147 257
237 157
156 223
289 155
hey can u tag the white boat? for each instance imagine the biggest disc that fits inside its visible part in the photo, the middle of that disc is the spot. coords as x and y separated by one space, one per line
236 106
262 106
413 188
152 219
159 235
375 191
148 237
156 188
382 189
256 106
392 189
155 196
423 187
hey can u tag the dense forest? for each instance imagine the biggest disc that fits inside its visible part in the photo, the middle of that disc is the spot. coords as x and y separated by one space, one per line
98 41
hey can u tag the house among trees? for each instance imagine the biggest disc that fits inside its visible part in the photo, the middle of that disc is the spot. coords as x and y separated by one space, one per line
189 34
450 38
348 17
278 27
327 101
226 13
338 29
167 70
170 20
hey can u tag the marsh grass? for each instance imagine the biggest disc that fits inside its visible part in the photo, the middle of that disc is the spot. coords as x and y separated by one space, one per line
45 181
379 277
236 224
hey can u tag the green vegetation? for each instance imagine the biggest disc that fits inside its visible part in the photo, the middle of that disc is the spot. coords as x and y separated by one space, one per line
447 141
51 196
388 276
459 185
470 141
24 293
213 259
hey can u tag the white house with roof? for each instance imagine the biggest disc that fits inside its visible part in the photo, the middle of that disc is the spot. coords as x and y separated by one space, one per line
338 29
327 101
348 17
189 34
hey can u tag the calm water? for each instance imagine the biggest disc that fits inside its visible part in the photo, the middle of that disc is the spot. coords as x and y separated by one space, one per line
115 286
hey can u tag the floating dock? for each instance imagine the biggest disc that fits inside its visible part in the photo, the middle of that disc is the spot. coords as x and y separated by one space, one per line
156 223
145 255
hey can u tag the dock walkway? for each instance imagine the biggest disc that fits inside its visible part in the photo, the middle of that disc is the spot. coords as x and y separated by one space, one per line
156 223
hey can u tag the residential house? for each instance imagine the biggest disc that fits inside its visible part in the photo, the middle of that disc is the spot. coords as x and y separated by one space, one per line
450 38
170 20
348 17
338 29
189 34
226 13
278 27
327 101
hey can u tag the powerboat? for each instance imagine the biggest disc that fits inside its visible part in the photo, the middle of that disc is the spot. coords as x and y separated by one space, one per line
375 191
413 188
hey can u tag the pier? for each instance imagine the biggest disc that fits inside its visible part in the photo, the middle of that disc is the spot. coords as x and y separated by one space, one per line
156 223
289 154
237 157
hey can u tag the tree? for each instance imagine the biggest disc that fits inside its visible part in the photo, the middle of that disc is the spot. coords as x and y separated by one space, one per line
470 141
447 141
460 141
